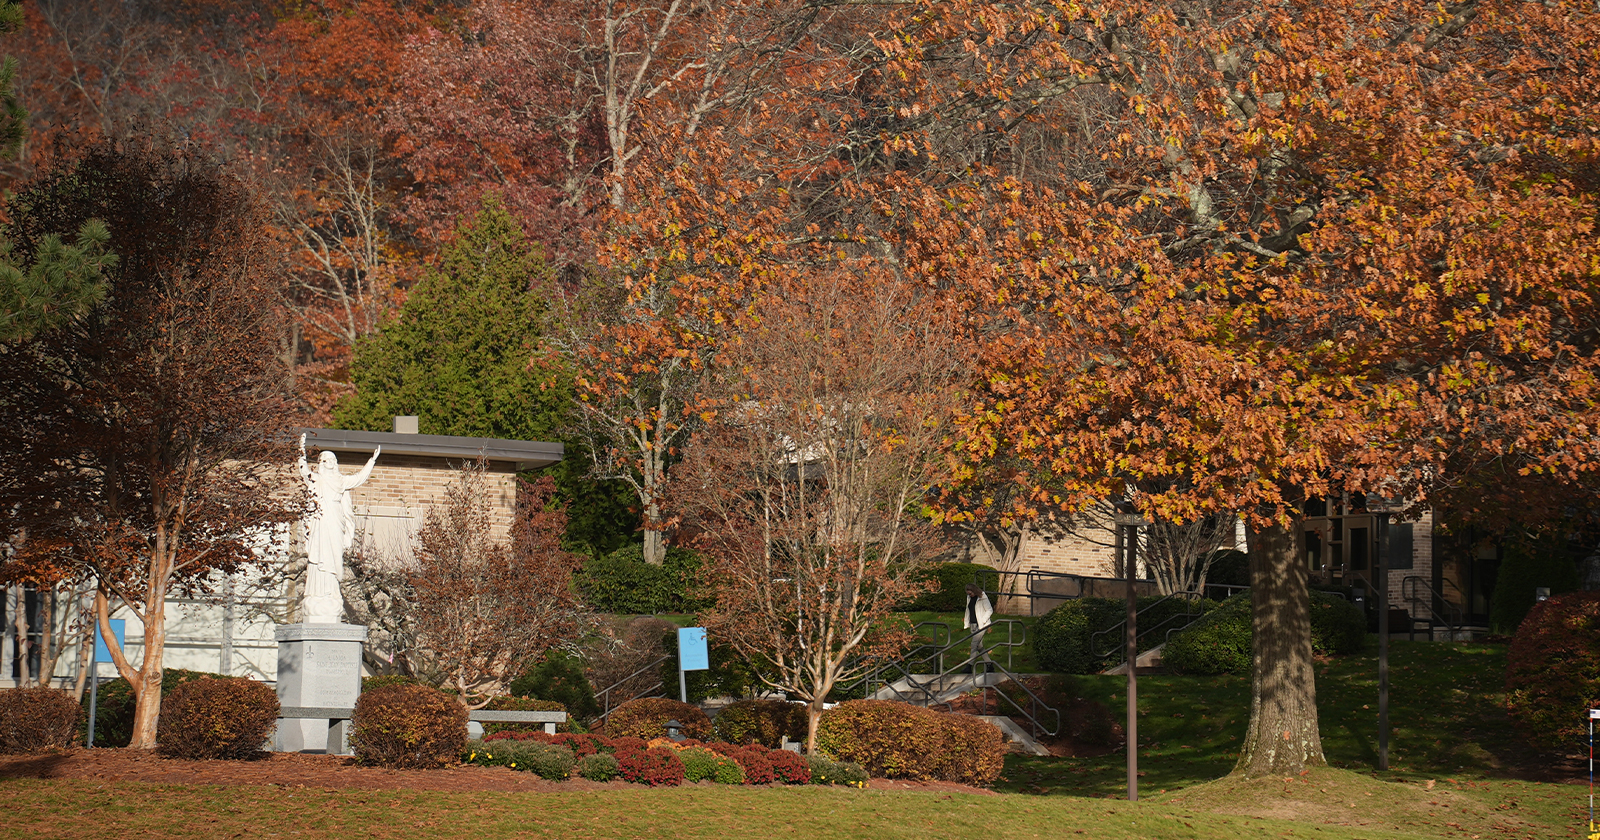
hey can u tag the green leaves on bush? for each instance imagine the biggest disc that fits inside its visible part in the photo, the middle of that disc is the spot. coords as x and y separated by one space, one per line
1064 639
1553 671
826 771
1220 643
408 726
34 719
113 716
547 761
559 677
621 582
701 764
898 740
600 767
217 717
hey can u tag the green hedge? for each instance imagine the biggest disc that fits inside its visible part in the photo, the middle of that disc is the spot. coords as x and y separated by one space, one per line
559 677
950 594
113 716
621 582
1219 643
1062 639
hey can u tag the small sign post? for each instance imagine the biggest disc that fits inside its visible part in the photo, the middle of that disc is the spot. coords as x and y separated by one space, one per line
102 653
1592 716
692 656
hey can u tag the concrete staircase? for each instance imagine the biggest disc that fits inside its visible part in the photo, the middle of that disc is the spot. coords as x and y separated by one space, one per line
935 689
1148 662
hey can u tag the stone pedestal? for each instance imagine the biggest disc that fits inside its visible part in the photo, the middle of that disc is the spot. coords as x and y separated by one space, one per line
319 665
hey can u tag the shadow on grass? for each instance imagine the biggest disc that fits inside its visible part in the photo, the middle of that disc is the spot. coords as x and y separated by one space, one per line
1446 713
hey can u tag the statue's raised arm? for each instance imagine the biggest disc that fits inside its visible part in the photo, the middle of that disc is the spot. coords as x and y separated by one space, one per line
305 469
360 478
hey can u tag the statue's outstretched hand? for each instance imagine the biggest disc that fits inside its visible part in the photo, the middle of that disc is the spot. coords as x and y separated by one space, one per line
375 453
302 443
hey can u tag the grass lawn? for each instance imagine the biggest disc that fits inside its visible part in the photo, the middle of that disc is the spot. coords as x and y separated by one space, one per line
1452 752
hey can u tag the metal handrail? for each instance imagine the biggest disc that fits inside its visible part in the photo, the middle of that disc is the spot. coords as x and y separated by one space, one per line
923 692
1119 651
1408 593
604 697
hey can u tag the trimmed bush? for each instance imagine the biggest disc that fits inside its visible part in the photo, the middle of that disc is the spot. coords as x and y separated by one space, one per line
623 584
600 767
898 740
791 768
378 681
757 764
826 771
35 719
1063 640
1553 671
1220 643
217 717
547 761
701 764
647 718
656 767
408 726
113 717
559 677
764 722
949 586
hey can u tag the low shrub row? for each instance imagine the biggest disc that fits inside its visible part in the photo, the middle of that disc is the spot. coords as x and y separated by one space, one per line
898 740
648 717
658 762
1064 639
764 722
1220 643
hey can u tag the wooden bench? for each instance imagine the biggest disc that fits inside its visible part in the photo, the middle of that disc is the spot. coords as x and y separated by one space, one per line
339 721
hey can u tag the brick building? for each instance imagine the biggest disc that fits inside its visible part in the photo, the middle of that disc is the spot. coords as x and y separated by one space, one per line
231 632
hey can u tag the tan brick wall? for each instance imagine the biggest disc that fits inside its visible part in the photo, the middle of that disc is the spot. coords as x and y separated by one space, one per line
1067 554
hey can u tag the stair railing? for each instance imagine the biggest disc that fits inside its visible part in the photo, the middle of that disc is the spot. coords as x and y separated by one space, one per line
1109 643
653 688
1415 589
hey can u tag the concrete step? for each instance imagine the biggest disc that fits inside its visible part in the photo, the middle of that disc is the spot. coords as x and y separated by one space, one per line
1148 662
1015 734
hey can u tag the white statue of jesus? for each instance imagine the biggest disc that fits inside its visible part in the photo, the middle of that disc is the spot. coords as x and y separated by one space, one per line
330 531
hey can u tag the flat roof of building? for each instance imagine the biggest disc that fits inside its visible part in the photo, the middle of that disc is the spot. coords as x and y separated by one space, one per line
527 454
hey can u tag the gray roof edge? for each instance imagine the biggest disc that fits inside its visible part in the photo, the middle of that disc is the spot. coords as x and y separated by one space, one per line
437 446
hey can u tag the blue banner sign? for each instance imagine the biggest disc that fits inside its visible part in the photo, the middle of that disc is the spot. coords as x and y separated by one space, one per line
118 629
692 655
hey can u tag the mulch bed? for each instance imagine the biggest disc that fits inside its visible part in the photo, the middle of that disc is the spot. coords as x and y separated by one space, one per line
328 773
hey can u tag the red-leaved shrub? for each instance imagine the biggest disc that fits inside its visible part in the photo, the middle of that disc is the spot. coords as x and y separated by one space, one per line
1553 671
408 726
791 768
655 767
757 769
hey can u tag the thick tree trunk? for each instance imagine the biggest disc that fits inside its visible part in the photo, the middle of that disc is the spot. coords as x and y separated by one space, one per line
813 717
1283 737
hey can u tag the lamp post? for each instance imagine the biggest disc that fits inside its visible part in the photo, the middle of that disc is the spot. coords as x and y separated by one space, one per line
1127 550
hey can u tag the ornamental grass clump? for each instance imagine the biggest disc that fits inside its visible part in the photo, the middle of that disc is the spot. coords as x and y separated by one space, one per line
36 719
217 717
408 726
